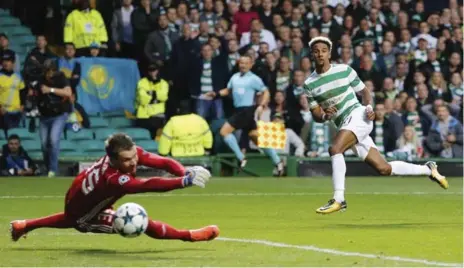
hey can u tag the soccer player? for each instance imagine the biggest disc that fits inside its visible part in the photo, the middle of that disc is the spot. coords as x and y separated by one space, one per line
331 91
89 200
243 86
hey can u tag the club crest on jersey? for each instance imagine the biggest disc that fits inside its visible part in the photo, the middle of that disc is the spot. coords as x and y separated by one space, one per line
123 179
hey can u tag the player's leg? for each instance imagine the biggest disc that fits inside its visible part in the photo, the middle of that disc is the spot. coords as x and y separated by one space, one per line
344 140
161 230
20 228
272 153
384 168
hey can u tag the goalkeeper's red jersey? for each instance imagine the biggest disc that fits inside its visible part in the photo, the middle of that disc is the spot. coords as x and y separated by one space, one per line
101 185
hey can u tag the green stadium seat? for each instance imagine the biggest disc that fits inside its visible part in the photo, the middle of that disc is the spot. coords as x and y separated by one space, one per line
4 13
72 154
137 134
120 122
103 133
20 31
69 146
23 40
113 114
23 133
36 155
2 135
98 122
9 21
81 135
31 146
92 146
150 146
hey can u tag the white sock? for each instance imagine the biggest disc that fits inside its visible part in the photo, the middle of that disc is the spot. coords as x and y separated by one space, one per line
338 176
408 169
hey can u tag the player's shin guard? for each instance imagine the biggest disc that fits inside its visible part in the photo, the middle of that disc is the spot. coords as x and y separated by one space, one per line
231 141
408 169
338 177
161 230
272 154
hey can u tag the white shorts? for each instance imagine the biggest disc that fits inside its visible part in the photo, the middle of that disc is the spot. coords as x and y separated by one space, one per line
358 123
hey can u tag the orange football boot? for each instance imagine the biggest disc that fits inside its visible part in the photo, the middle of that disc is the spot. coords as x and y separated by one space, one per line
18 229
205 234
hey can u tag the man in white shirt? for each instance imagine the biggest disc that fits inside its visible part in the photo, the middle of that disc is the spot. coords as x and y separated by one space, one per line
266 36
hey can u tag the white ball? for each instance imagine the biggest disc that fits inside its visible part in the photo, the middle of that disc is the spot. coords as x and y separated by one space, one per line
131 220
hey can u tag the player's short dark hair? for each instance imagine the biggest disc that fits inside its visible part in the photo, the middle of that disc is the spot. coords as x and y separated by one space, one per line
117 143
13 137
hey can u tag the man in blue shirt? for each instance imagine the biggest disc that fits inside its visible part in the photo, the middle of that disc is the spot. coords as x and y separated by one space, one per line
243 86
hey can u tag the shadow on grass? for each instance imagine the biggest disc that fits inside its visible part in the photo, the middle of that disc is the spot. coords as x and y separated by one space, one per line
394 225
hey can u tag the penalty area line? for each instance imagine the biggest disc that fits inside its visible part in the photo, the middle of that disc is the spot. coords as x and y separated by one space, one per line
338 252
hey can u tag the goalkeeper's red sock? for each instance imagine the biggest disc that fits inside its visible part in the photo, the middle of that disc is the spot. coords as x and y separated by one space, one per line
161 230
53 221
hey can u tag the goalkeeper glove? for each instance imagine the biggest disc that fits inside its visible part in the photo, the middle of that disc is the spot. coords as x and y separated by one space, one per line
196 175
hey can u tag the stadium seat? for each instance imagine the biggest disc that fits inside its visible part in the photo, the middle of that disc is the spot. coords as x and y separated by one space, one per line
103 133
23 133
20 31
32 146
9 21
98 122
137 134
2 135
120 122
69 146
150 146
23 40
81 135
113 114
4 13
93 146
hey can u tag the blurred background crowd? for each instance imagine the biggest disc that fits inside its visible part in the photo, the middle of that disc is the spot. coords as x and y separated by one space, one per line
408 53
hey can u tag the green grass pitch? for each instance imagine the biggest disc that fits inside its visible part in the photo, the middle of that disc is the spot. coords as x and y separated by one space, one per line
263 222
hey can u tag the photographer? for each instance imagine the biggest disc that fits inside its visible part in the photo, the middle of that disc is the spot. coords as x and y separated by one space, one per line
53 100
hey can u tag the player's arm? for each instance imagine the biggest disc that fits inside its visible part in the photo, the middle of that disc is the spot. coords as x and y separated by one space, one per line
358 86
366 97
129 185
155 161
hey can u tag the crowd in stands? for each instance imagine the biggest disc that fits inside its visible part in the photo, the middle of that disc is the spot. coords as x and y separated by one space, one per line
408 53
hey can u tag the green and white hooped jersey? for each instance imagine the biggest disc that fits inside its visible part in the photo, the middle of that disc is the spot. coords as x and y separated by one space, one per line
336 87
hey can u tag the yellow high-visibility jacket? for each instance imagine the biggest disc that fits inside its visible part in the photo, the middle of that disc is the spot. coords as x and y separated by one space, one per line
144 108
84 28
185 135
10 86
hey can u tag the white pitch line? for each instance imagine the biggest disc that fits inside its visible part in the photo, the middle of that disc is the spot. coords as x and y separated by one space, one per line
301 247
338 252
238 194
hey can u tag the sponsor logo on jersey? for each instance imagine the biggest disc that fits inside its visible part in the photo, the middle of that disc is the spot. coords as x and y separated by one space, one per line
123 179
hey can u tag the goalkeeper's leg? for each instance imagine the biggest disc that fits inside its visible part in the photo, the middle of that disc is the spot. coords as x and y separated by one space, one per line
161 230
20 228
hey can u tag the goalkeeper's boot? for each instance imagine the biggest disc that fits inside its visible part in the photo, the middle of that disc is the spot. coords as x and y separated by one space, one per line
18 229
332 206
279 169
204 234
436 176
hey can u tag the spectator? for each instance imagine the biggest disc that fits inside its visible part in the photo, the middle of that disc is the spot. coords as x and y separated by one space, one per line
306 66
159 43
94 50
4 45
430 110
454 65
293 141
394 116
233 55
445 135
243 18
405 45
383 132
456 88
424 30
415 118
144 21
400 74
171 14
208 15
369 72
11 93
439 88
186 134
264 35
363 33
389 89
295 53
14 160
431 65
283 76
54 106
152 94
207 77
295 90
408 144
122 31
83 27
40 53
70 66
328 26
386 58
253 44
266 14
423 97
420 54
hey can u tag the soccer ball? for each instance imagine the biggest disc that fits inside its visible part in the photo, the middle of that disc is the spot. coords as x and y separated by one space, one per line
131 220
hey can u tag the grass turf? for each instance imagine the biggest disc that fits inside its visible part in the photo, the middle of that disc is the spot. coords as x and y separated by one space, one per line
405 217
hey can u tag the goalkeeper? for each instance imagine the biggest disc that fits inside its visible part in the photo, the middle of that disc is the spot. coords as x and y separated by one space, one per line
89 200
